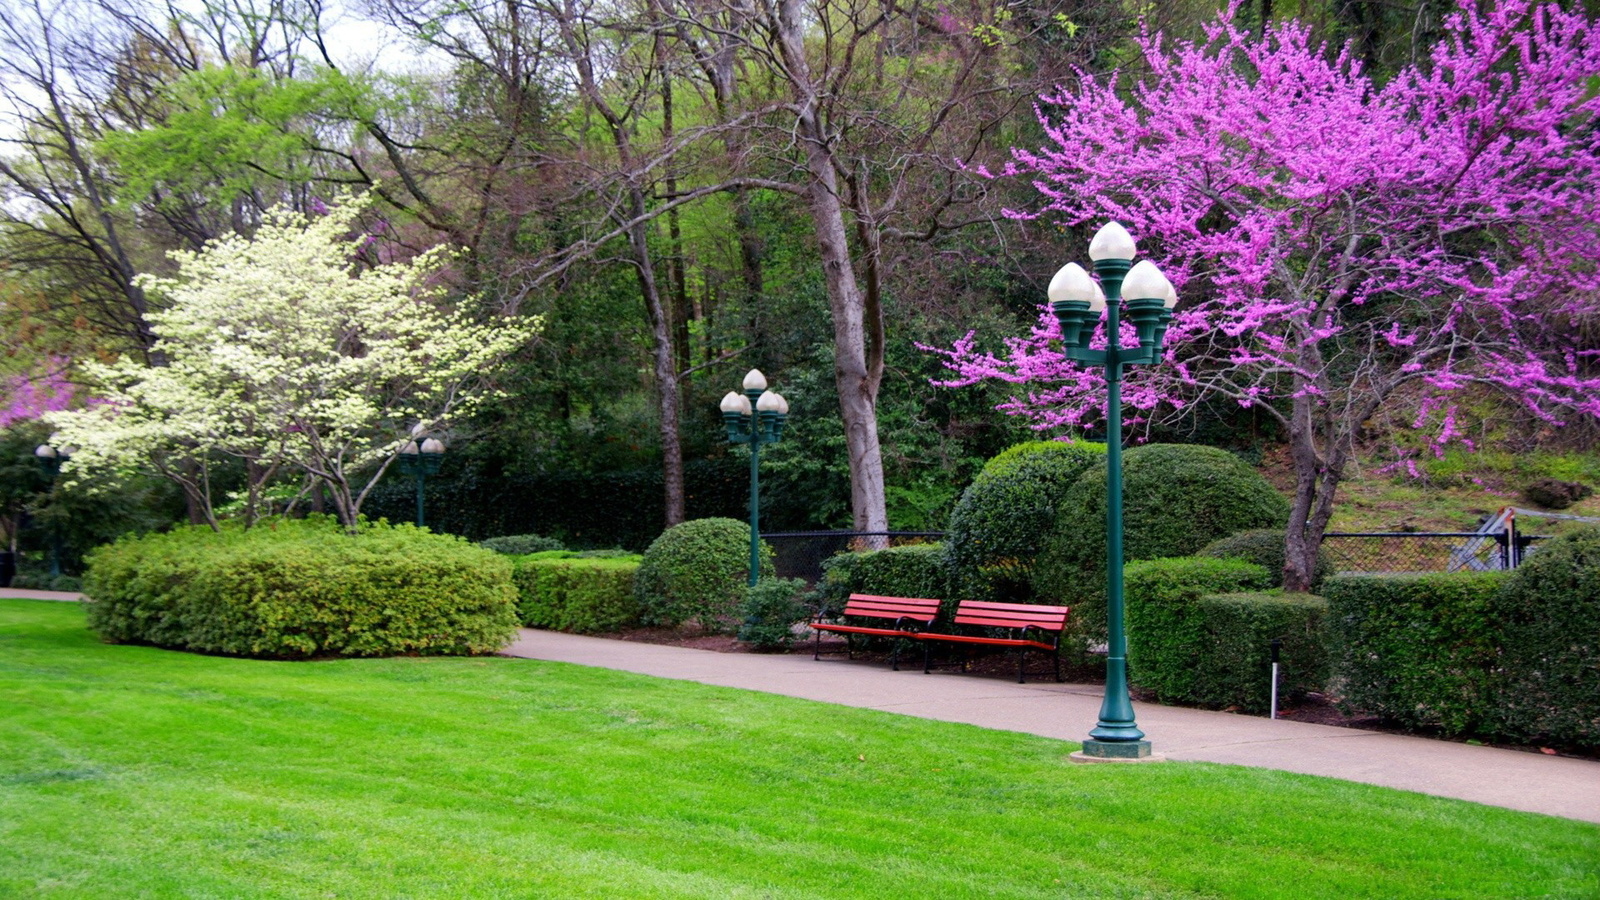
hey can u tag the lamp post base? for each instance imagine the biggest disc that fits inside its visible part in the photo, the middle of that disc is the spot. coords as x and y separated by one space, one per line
1116 751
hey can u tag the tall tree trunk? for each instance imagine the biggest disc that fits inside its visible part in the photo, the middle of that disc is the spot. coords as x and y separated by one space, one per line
857 375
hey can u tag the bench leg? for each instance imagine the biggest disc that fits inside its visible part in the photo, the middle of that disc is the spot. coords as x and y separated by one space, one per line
1022 665
816 649
927 657
894 654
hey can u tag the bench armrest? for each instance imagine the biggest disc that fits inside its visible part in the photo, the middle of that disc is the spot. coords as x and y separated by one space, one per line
906 623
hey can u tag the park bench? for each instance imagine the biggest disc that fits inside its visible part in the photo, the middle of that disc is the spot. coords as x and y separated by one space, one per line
865 615
1022 627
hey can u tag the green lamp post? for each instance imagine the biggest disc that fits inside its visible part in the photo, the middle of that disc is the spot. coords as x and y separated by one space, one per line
1077 303
421 460
755 417
50 461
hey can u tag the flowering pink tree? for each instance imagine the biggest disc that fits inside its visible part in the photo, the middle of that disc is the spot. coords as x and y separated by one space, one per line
1345 250
28 396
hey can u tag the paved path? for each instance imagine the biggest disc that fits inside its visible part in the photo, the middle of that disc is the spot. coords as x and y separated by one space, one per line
1529 781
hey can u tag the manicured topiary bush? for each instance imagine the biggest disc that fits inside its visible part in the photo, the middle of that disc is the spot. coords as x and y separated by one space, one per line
1546 685
563 591
295 589
917 570
698 571
1264 547
772 609
1416 649
1190 642
521 544
1177 498
1003 518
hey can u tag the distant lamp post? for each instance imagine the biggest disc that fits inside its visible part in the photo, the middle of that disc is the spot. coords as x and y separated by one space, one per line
50 460
755 417
421 460
1077 303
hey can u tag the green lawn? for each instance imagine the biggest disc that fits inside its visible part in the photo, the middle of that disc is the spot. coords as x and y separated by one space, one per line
135 772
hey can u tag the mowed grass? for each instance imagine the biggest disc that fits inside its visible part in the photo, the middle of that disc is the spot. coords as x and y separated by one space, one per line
137 772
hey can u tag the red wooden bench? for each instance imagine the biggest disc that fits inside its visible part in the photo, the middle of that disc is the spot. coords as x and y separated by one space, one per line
1023 627
869 616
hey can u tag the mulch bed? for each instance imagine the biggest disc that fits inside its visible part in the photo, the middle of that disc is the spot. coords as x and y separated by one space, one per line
1316 709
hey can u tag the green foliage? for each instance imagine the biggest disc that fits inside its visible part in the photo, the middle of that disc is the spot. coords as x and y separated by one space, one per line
1003 518
70 584
1264 547
915 570
1177 498
1175 648
697 571
557 589
1547 685
296 589
1416 649
522 544
772 607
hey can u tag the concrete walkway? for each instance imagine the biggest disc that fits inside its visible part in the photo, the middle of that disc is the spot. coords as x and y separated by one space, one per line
1517 780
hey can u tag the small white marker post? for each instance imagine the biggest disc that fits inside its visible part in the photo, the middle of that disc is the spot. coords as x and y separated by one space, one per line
1275 644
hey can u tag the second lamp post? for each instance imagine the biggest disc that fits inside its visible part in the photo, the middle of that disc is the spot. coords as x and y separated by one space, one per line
755 417
421 460
1077 303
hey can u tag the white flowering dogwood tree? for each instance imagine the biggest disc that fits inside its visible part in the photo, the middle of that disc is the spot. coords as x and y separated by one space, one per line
287 352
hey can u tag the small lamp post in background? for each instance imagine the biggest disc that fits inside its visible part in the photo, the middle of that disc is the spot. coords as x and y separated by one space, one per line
421 460
50 461
1077 303
755 417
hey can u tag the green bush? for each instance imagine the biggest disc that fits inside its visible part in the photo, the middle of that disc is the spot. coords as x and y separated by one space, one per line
521 544
1547 686
1177 498
71 584
1177 647
295 589
772 607
917 570
1002 519
1416 649
565 592
698 571
1264 547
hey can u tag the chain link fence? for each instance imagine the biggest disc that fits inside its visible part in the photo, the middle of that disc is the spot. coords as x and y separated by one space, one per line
800 554
1388 553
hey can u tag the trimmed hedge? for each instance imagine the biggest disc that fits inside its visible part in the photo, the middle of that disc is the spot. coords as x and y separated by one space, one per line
915 570
1177 498
1547 686
1179 645
561 591
521 544
1265 547
1000 524
302 588
698 571
1417 649
772 607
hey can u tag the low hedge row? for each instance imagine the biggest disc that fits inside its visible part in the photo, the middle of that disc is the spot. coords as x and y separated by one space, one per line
916 570
1200 632
560 590
302 588
1416 649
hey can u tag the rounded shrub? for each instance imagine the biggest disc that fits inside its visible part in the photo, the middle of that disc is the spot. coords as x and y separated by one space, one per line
1001 521
1547 683
302 588
1264 547
522 544
1177 498
697 571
